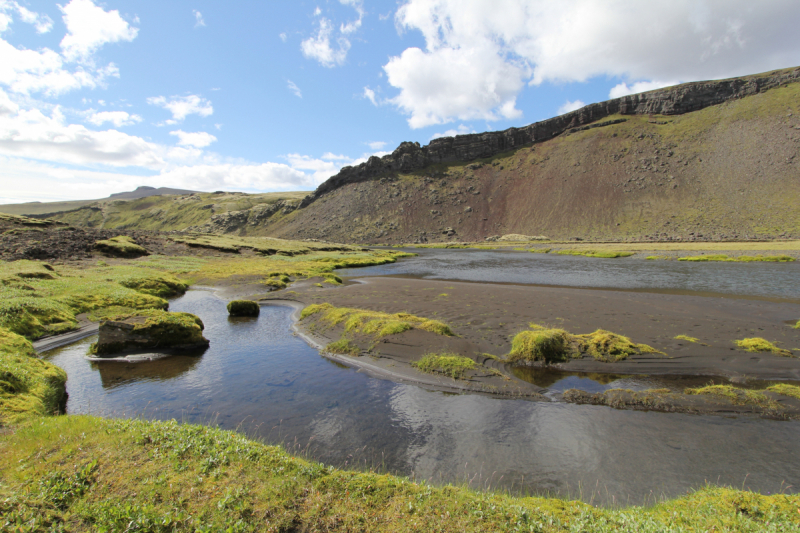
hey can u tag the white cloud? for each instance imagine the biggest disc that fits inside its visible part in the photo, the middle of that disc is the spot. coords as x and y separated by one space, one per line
319 47
199 139
198 19
352 27
321 169
463 129
330 156
376 145
117 118
478 55
283 36
42 23
369 94
89 27
294 88
623 89
317 12
183 106
568 106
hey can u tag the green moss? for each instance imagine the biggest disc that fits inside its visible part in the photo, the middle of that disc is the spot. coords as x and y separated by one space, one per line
450 364
343 346
548 345
785 390
161 329
25 269
112 475
757 344
121 246
243 308
740 259
687 338
372 323
540 250
29 387
603 254
34 317
736 395
162 285
610 347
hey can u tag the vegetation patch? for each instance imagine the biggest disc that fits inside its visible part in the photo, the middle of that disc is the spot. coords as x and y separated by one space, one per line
553 345
148 329
373 323
540 250
81 473
243 308
740 259
687 338
757 344
163 285
603 254
121 246
785 390
28 386
344 347
736 395
449 364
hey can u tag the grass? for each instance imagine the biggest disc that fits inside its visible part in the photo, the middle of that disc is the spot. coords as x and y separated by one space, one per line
372 323
736 395
121 246
344 347
740 259
687 338
757 344
29 387
552 345
81 473
161 329
449 364
603 254
785 390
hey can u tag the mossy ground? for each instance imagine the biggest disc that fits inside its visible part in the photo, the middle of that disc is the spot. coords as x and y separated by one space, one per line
121 246
554 345
740 259
603 254
372 323
757 344
736 395
449 364
29 387
79 473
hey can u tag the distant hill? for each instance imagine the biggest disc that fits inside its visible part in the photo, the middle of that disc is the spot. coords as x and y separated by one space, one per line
41 208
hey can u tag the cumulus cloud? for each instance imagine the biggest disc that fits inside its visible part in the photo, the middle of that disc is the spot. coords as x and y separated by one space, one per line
623 89
117 118
351 27
89 27
42 23
199 139
462 129
568 106
198 19
294 88
183 106
319 46
369 94
491 48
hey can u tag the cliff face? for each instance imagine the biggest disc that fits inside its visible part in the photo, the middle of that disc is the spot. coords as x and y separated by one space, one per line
678 100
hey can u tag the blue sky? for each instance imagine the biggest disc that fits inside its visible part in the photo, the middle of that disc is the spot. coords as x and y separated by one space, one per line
101 97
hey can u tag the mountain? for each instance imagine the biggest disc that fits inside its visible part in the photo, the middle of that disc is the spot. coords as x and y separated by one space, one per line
714 160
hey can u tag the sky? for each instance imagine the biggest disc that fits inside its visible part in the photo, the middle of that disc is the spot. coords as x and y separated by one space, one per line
98 97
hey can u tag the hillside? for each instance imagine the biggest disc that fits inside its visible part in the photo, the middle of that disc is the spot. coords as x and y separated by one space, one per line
699 161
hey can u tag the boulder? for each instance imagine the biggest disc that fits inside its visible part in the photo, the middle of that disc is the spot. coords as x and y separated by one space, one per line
150 330
243 308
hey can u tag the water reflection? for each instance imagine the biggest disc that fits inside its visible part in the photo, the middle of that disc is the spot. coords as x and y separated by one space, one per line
772 280
259 378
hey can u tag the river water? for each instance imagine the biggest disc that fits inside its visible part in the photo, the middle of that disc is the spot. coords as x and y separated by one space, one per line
769 280
259 378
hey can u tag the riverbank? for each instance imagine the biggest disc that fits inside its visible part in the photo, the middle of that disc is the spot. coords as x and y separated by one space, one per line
81 473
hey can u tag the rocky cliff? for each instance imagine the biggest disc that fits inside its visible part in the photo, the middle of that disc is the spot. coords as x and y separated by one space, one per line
676 100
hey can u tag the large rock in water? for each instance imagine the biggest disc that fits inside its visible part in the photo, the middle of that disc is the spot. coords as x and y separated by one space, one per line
150 330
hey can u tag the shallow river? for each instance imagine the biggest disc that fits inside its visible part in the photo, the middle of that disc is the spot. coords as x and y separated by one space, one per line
258 377
772 280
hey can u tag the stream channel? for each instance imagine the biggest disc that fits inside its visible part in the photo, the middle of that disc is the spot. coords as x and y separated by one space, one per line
259 378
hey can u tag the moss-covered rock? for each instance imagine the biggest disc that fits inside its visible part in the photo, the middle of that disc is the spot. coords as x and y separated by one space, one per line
243 308
121 246
159 284
28 386
150 330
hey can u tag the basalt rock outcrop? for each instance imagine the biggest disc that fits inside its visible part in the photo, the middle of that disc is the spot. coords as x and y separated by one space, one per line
236 220
676 100
150 330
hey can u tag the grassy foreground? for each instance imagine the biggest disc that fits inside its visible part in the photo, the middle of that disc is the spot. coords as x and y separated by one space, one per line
80 473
